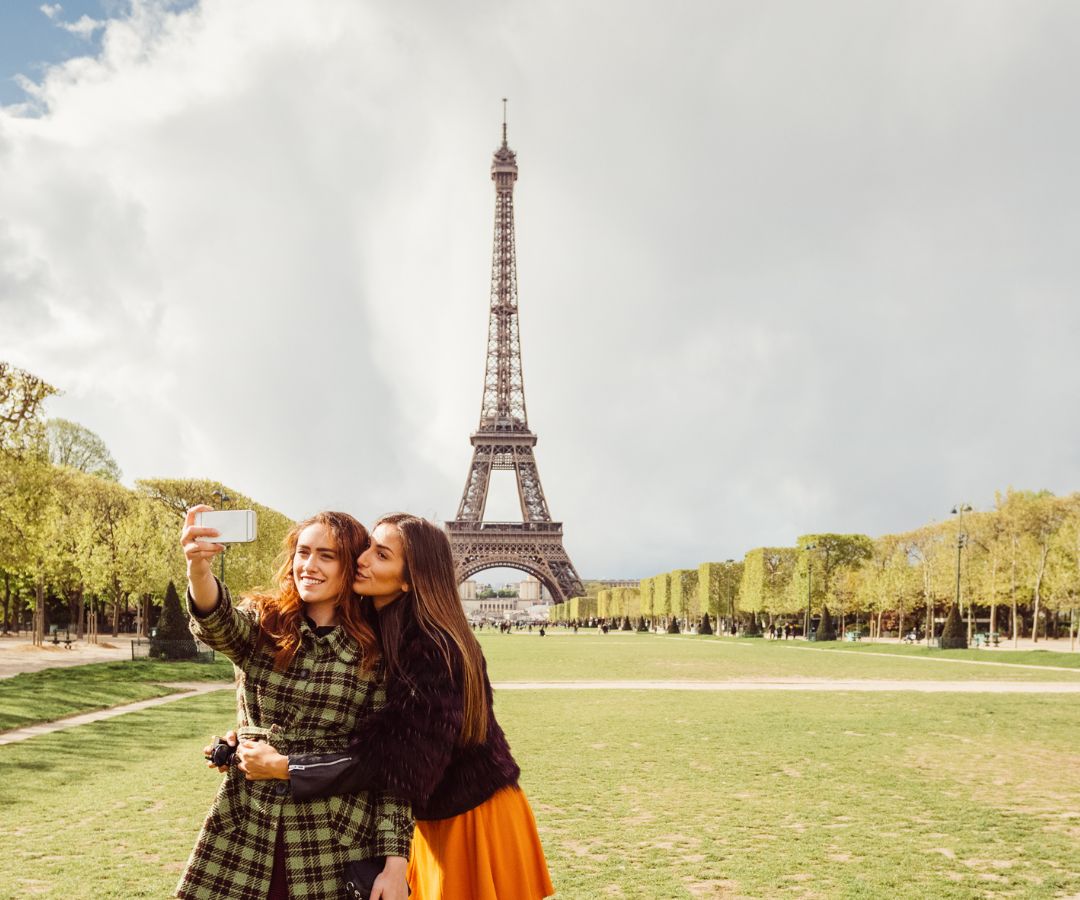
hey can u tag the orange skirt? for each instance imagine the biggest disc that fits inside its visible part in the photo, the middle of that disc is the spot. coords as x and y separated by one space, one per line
491 852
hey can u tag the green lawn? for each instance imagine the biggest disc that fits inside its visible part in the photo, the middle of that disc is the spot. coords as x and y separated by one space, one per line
54 693
563 656
644 794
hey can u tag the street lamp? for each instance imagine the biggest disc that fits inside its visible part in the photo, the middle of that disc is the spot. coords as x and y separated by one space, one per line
809 548
961 540
223 499
731 594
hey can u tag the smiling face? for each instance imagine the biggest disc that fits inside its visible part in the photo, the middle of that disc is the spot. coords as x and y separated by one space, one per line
380 571
317 568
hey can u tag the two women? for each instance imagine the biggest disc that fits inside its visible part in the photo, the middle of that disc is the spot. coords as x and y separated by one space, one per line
308 673
435 741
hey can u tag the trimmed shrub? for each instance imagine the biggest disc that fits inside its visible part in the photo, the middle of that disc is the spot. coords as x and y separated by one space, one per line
673 625
752 628
826 630
954 635
641 626
173 639
626 626
706 625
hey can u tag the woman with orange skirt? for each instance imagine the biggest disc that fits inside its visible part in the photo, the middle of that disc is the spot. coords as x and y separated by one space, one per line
436 741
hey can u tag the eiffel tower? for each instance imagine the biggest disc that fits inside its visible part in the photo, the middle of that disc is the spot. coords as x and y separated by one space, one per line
503 440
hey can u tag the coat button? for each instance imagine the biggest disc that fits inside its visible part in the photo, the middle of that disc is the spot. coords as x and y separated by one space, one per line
305 673
281 789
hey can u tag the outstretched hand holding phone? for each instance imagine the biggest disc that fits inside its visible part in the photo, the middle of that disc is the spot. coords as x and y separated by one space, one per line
199 555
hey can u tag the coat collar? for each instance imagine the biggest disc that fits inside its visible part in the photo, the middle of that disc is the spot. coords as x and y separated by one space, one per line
338 642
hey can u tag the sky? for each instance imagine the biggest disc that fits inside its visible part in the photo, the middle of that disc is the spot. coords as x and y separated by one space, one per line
783 267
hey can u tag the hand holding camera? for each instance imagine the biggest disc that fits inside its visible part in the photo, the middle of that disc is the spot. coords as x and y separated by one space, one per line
222 752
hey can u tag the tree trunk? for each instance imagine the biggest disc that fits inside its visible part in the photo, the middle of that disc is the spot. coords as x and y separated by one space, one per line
1012 599
7 602
92 622
116 614
1038 592
1072 629
39 613
900 622
82 617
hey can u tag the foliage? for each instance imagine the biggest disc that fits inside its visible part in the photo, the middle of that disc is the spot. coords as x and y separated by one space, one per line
765 577
173 639
684 593
954 634
76 446
21 397
718 588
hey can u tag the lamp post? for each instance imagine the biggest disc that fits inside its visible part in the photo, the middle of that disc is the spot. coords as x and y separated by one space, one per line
961 540
731 593
223 499
809 548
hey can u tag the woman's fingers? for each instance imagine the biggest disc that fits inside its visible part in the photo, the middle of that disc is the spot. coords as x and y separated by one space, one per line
190 534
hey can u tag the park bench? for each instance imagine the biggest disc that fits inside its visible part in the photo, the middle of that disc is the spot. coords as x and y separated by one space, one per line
852 636
67 640
984 639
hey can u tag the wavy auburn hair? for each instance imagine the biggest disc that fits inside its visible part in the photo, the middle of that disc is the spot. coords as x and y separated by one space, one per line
280 611
433 601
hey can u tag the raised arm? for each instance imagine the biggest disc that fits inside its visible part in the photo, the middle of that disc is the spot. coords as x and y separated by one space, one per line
213 618
202 586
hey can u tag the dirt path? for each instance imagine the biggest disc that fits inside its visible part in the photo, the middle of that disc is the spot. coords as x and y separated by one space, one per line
19 655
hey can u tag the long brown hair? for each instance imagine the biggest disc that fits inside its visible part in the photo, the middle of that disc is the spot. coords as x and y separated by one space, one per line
433 601
280 611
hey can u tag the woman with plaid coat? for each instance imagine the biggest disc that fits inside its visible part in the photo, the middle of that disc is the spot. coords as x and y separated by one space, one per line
302 684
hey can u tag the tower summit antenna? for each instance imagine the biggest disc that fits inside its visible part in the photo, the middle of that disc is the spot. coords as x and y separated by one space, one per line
504 121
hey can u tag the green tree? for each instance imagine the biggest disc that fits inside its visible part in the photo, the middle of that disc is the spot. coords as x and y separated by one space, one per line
718 588
766 576
247 566
684 594
21 397
74 445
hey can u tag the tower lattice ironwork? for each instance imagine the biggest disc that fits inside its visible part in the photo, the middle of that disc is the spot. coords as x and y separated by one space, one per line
503 441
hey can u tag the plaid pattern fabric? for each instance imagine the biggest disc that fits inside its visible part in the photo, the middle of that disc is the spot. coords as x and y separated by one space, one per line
312 706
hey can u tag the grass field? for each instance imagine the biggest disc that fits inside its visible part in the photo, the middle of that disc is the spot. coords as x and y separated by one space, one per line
54 693
645 794
628 656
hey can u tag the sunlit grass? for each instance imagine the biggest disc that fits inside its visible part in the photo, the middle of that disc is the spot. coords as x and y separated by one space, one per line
563 656
53 693
638 794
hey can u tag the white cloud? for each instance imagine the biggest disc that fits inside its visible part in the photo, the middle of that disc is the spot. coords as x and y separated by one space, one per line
777 275
52 10
84 26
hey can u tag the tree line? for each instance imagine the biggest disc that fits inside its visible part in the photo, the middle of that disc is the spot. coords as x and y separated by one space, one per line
81 550
1013 571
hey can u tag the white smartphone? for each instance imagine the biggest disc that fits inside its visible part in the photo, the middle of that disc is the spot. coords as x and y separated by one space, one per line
235 526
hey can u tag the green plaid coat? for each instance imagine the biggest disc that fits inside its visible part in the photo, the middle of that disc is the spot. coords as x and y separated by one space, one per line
313 706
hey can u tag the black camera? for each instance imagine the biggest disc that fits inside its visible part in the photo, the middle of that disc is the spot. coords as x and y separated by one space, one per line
222 752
